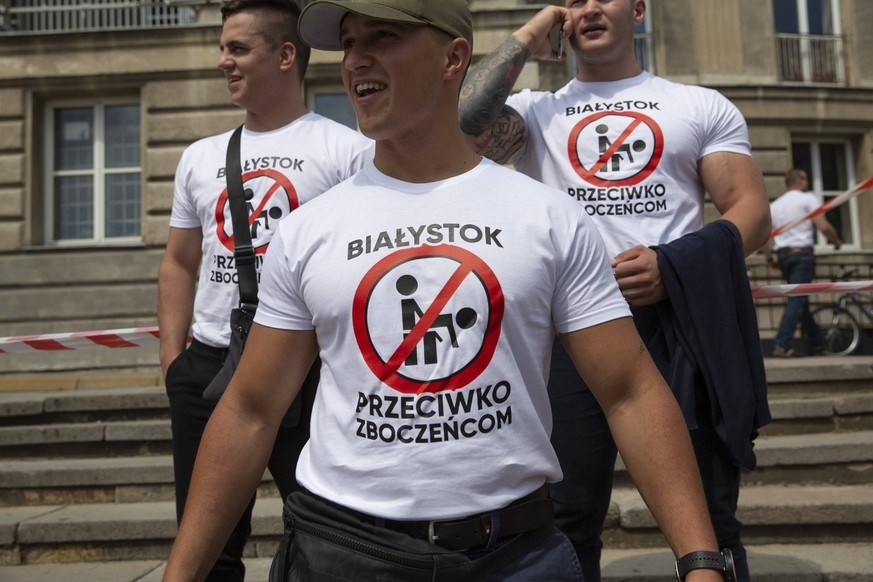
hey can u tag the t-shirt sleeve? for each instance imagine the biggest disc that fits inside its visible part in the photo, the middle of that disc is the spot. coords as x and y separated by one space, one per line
280 300
725 127
586 293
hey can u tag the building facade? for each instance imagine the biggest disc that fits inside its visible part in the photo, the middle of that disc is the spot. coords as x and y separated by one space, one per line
98 99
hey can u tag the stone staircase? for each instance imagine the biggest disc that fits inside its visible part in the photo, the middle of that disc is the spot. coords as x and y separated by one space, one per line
86 486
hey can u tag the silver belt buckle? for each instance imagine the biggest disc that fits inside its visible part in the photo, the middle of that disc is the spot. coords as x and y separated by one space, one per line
431 536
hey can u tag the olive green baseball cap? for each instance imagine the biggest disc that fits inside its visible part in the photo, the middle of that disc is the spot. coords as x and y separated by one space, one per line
319 24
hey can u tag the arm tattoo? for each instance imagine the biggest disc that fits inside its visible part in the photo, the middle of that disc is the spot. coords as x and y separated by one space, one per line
505 136
486 87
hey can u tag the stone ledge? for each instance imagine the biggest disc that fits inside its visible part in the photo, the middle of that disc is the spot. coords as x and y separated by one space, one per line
92 399
73 381
773 505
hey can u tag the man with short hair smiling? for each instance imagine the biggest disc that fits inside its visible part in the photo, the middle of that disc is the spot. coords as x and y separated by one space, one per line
289 156
429 453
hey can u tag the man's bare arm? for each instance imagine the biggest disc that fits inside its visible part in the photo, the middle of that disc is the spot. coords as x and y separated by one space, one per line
236 445
177 282
648 428
828 229
736 188
494 129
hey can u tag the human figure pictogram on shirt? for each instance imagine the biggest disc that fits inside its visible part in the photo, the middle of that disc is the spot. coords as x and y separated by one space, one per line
411 313
604 143
273 212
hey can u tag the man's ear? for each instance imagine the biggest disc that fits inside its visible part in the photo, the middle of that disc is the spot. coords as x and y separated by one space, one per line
639 11
459 53
287 55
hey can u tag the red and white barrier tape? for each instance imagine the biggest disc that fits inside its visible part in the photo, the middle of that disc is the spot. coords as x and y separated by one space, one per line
81 340
147 336
772 291
827 206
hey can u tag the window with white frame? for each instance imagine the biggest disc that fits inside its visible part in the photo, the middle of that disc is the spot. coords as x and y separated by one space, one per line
810 45
829 164
93 173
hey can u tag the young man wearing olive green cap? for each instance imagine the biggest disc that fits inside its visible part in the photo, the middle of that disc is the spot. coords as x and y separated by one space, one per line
431 284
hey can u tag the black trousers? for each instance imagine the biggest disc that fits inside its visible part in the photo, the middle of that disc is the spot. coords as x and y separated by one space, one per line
187 377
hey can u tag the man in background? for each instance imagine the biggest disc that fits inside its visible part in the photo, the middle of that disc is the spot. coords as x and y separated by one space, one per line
792 253
289 155
639 153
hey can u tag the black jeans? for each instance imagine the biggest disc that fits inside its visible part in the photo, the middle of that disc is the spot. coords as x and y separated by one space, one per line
587 453
798 267
187 377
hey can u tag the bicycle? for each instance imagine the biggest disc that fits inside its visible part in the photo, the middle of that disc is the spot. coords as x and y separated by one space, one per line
840 327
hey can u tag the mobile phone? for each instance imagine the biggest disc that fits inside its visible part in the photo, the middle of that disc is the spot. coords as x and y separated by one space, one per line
557 40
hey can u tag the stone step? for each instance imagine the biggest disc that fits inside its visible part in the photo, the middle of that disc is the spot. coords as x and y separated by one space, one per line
768 563
770 514
822 414
68 406
840 457
787 378
130 531
125 414
93 480
87 439
809 458
819 375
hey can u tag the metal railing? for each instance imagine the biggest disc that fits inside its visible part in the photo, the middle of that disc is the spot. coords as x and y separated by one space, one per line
53 16
811 58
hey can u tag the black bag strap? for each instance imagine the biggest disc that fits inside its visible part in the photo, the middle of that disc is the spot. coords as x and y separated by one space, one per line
243 252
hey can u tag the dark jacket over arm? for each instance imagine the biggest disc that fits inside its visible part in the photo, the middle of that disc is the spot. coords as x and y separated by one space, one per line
705 337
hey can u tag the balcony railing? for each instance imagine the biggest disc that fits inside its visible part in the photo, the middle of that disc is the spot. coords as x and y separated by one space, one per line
811 58
52 16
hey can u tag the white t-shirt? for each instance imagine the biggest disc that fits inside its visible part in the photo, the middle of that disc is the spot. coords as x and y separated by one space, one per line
282 169
435 306
790 206
628 152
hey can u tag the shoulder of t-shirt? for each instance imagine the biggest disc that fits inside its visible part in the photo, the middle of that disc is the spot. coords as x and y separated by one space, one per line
216 142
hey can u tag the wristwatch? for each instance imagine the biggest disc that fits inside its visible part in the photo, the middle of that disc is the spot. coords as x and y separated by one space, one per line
722 561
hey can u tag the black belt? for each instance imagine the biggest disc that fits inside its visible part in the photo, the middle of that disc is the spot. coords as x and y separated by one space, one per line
786 250
525 514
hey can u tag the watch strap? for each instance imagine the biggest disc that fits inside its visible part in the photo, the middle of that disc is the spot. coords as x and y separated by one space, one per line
721 561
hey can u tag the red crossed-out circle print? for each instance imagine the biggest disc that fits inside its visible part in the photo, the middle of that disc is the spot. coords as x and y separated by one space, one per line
280 184
469 267
640 133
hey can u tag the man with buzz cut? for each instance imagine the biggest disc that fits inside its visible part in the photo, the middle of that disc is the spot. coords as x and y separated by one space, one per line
639 154
289 155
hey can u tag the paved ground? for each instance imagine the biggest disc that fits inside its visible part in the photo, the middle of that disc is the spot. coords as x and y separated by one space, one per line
777 563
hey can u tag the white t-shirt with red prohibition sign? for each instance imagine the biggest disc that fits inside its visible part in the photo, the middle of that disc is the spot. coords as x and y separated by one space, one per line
281 170
628 152
435 306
